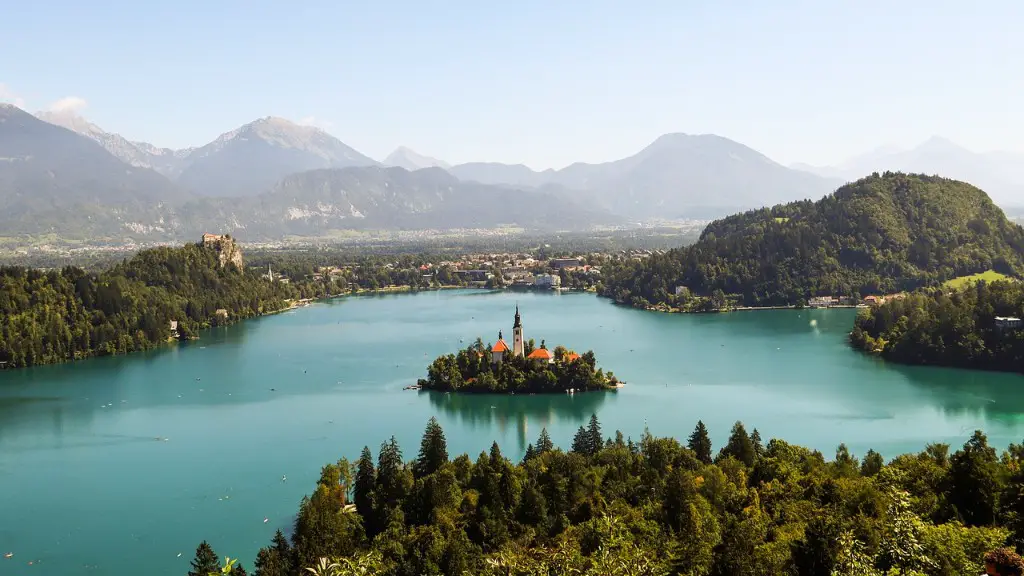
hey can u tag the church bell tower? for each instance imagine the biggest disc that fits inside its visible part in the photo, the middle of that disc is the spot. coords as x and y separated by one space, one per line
517 336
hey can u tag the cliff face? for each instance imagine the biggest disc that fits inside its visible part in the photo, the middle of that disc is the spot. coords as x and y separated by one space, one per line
227 250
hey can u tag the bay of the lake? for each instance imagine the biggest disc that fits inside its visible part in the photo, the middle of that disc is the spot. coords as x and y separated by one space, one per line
121 466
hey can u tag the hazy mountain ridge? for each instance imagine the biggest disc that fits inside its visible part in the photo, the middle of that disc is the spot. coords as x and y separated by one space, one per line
1000 174
140 154
316 202
249 160
678 175
53 179
403 157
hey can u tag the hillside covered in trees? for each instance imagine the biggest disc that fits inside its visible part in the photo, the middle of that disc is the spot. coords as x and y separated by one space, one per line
612 506
67 314
947 327
881 234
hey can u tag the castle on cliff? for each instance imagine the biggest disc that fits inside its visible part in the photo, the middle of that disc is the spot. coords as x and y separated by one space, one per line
227 250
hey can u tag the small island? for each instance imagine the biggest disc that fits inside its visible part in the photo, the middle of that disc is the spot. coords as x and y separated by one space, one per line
522 368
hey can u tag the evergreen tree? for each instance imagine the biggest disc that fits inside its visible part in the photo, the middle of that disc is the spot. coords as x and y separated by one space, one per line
581 441
973 481
496 458
595 439
530 453
238 570
366 481
739 446
871 464
276 559
433 450
205 562
392 483
544 443
700 443
755 438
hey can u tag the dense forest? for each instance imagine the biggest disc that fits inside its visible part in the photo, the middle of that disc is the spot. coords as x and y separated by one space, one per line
67 314
471 370
947 327
882 234
614 506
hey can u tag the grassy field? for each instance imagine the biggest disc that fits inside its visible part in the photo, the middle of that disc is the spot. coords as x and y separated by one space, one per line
987 276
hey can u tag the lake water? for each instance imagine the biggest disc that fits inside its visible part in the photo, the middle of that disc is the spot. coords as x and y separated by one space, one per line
116 465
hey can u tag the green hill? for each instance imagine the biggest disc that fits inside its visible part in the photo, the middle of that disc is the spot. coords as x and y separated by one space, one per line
62 315
880 234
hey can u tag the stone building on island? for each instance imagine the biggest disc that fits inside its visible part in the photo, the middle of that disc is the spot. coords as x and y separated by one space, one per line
538 356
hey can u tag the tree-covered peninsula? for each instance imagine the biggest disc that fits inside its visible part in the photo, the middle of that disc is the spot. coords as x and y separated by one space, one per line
49 316
881 234
974 326
612 506
496 370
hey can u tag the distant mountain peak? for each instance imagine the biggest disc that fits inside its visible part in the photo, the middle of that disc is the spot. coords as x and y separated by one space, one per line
405 157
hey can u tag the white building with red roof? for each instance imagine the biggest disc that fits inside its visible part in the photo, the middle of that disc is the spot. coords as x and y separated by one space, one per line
499 349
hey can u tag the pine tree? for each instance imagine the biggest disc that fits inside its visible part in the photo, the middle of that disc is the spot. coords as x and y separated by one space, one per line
530 453
973 480
205 562
544 443
739 446
871 464
581 441
496 459
238 570
700 443
755 438
276 559
433 450
391 484
595 439
366 480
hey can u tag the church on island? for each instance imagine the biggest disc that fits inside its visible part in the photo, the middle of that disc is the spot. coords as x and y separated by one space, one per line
538 356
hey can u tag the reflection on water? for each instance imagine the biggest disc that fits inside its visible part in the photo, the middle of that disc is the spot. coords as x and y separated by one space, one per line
486 411
232 413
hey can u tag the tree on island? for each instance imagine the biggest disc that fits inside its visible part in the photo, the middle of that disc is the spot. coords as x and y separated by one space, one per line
475 369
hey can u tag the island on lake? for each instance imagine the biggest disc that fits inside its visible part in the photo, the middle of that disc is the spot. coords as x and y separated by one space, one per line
522 368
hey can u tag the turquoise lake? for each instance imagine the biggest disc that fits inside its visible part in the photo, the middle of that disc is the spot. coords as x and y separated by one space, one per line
116 466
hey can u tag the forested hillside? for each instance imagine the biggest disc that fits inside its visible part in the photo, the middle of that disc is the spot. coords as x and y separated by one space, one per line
947 327
881 234
612 506
61 315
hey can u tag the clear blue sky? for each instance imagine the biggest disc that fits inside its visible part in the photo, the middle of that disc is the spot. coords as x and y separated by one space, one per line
543 82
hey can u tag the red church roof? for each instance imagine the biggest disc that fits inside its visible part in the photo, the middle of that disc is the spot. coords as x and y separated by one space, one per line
500 346
572 357
541 354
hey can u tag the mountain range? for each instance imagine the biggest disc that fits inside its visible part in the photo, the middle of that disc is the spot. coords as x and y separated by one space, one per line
1000 174
59 173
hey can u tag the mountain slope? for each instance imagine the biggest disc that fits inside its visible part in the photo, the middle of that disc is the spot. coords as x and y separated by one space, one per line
251 159
409 159
879 234
1001 174
678 175
317 202
54 179
168 162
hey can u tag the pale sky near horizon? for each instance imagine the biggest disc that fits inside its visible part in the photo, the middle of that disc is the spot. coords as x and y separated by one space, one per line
540 82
